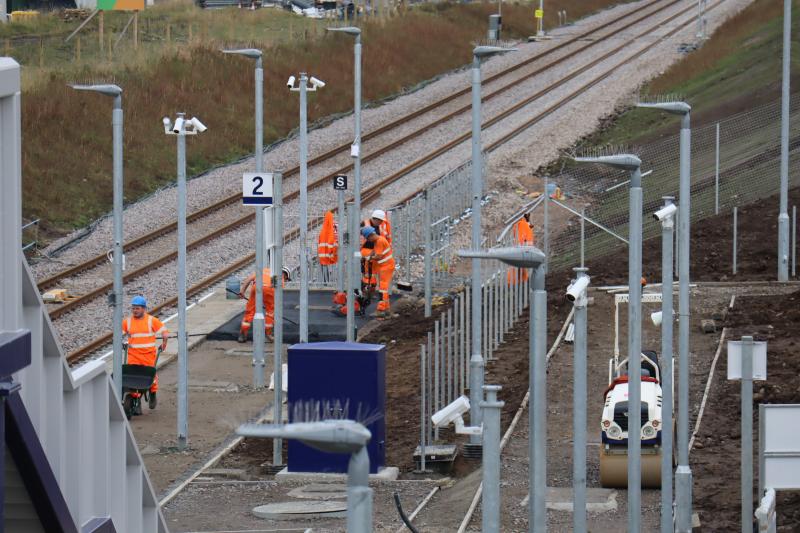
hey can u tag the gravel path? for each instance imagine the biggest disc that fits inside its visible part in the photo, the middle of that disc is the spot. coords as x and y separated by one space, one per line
505 164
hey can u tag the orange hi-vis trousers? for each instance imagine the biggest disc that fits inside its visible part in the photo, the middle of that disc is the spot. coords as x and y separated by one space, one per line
268 294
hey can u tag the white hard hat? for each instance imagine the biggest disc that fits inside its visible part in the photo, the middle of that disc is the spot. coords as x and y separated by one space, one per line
379 214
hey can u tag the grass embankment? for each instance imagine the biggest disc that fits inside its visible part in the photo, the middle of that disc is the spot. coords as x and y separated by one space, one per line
66 135
738 68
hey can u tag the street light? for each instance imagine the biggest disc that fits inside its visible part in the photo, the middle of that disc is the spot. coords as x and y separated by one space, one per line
476 364
577 293
632 164
530 257
355 152
258 318
116 124
333 436
683 474
783 214
181 128
303 89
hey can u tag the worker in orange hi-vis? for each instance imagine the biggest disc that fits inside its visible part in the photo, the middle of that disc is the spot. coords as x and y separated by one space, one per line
380 223
328 246
268 294
523 236
381 261
141 330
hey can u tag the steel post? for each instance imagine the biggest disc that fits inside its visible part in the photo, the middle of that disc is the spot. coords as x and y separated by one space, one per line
258 318
794 240
183 361
437 368
356 152
277 282
340 246
537 379
422 409
546 223
683 474
359 495
476 360
119 296
426 228
303 212
579 402
735 236
635 354
492 409
407 244
783 216
352 270
747 434
540 21
583 236
451 380
667 231
716 174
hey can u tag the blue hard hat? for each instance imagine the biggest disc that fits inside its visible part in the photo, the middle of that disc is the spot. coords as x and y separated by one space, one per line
366 231
139 301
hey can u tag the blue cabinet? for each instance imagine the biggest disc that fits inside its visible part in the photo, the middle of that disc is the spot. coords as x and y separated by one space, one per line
337 380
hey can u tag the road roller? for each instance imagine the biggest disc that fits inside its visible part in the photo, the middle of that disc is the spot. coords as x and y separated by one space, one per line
614 424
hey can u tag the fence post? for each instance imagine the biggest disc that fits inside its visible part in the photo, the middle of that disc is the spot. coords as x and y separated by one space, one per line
716 176
436 371
426 228
583 242
433 434
422 409
735 217
794 240
747 434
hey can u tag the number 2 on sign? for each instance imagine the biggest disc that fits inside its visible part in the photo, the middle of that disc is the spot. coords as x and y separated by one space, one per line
257 189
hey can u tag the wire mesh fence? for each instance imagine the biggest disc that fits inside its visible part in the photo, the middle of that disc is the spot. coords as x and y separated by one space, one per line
748 170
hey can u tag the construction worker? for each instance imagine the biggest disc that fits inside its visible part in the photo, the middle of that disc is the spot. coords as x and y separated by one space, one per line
380 223
268 294
141 330
380 262
523 236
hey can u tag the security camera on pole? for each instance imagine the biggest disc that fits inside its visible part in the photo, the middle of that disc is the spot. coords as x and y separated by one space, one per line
259 201
181 128
303 89
355 152
119 260
683 474
476 360
632 164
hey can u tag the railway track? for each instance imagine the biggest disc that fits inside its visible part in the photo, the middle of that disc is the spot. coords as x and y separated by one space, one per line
374 190
234 199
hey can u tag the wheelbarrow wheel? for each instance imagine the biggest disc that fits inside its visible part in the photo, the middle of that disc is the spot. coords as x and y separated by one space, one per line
127 405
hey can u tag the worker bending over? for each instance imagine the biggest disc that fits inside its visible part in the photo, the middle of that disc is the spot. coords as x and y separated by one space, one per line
141 330
268 294
523 236
379 262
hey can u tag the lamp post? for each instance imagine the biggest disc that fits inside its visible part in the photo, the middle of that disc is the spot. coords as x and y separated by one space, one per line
258 318
181 128
683 474
531 257
783 215
304 89
116 124
632 164
334 436
355 152
476 359
577 294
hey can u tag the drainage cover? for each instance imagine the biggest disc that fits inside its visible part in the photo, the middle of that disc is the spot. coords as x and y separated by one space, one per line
320 491
301 510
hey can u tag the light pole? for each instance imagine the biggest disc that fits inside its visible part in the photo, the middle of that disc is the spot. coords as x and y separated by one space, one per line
334 436
531 257
355 152
476 359
783 216
181 128
540 21
303 89
683 474
666 215
577 294
258 318
632 164
116 124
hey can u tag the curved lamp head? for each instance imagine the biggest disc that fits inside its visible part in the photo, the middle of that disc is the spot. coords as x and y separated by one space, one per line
349 30
108 89
516 256
333 436
623 161
252 53
482 52
676 108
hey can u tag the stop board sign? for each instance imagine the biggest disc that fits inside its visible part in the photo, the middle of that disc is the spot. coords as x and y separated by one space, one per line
257 188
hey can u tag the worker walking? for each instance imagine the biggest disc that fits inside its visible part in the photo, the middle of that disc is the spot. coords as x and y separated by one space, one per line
523 236
268 294
380 262
141 330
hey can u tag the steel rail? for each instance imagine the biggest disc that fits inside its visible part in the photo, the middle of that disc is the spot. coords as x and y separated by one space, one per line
232 199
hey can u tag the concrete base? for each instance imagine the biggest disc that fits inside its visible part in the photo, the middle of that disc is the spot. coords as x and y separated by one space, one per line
597 500
389 473
301 510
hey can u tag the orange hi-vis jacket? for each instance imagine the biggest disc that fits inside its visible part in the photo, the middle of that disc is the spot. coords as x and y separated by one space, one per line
382 259
523 233
142 344
328 246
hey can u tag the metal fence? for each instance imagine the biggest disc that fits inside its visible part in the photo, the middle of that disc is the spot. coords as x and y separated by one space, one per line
734 162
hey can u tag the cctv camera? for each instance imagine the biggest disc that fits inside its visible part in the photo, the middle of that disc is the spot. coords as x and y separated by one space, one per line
656 318
665 212
178 126
290 82
198 126
577 288
319 84
167 124
451 413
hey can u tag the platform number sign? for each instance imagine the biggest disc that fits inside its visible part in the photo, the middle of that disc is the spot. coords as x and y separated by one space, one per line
340 182
257 188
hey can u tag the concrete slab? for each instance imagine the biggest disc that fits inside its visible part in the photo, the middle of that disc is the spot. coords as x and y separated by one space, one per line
597 500
212 386
301 510
320 491
389 473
